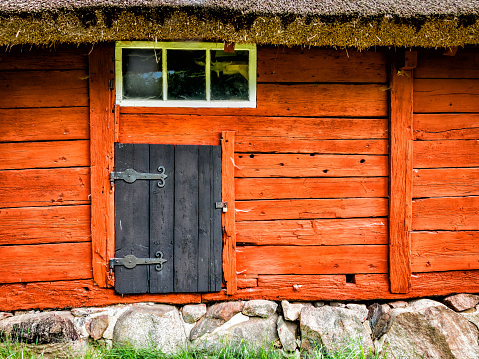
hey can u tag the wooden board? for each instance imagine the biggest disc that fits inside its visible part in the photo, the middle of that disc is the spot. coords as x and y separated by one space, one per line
44 154
320 65
43 89
35 225
304 165
44 187
311 208
432 64
322 232
146 126
440 154
446 126
312 259
444 251
35 58
289 188
45 262
44 124
443 182
446 95
449 214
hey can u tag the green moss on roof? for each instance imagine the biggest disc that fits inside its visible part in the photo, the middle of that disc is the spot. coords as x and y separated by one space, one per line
50 28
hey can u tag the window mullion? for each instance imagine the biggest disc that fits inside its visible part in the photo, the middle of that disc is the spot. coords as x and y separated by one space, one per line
208 75
164 69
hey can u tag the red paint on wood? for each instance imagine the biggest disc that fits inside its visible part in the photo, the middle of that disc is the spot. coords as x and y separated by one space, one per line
444 182
446 126
434 65
439 154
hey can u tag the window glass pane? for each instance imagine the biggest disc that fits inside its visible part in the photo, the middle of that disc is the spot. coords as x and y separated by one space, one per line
186 74
142 75
229 75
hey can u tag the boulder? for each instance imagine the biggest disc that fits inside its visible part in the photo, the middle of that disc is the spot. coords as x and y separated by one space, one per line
151 326
216 316
291 311
360 309
97 326
333 328
398 304
461 302
193 312
378 317
287 332
4 315
259 308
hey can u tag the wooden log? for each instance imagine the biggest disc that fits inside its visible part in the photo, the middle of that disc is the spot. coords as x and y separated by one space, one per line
444 251
304 165
311 208
366 287
102 142
35 225
400 189
137 125
42 262
289 188
446 95
76 293
44 124
312 259
449 214
44 187
434 65
324 232
43 89
247 282
45 154
63 57
320 65
229 222
445 182
440 154
446 126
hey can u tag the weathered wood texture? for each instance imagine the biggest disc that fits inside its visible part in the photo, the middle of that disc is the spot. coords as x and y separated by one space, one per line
449 126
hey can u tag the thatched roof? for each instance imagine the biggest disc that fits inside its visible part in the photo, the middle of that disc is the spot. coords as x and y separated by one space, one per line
353 23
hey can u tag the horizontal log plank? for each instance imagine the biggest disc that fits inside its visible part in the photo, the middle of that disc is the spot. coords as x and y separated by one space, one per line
444 182
42 262
446 126
289 188
311 259
450 214
432 64
444 251
446 95
43 89
303 165
44 187
45 154
324 232
440 154
366 287
35 225
320 65
58 58
311 209
247 282
76 293
298 100
206 129
44 124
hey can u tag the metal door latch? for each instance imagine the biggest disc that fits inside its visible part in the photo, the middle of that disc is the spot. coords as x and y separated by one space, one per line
130 261
222 205
130 175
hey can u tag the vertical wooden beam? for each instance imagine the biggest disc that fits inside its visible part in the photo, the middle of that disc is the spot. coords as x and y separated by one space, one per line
229 226
102 140
400 197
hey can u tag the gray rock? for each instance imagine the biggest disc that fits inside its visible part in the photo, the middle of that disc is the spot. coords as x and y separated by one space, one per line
461 302
360 309
287 332
337 304
378 318
434 332
4 315
153 326
398 304
193 312
205 325
40 328
97 326
473 317
259 308
319 304
333 328
291 311
419 304
216 316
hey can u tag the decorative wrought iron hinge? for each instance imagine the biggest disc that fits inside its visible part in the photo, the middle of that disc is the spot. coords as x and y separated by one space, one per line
130 175
130 261
222 205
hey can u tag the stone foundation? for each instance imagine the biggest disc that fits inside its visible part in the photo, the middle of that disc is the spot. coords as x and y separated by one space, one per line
422 328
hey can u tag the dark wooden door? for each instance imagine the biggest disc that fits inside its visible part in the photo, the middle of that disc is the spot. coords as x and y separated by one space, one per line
178 218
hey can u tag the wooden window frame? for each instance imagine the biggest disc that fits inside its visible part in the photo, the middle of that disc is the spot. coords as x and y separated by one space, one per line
104 117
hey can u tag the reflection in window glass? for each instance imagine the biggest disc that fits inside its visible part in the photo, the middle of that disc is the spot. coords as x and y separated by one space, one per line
142 75
229 75
186 74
